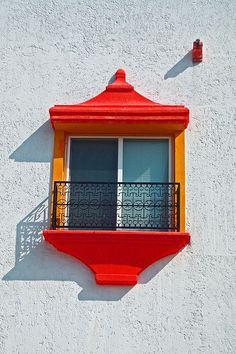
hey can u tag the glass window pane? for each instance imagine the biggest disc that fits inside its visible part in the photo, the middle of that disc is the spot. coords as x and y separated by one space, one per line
93 205
146 160
145 205
93 160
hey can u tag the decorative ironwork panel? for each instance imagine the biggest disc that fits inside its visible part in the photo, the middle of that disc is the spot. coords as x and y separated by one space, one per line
81 205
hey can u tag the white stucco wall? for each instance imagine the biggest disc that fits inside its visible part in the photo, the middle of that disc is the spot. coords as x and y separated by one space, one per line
58 51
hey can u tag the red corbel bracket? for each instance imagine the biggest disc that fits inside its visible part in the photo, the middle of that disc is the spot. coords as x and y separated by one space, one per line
117 257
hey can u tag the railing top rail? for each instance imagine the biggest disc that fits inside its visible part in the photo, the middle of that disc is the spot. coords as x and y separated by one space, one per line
115 183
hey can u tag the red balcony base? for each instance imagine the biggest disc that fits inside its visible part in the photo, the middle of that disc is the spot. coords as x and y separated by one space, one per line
117 257
116 279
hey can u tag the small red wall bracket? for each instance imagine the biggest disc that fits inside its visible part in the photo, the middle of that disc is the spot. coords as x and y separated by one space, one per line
197 51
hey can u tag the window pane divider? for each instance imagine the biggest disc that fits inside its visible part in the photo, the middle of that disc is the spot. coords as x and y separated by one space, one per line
119 180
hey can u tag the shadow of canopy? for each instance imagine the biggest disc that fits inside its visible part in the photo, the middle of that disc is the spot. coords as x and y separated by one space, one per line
38 147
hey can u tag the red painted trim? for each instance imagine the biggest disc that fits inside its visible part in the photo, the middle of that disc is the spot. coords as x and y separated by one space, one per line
125 120
117 257
119 103
68 111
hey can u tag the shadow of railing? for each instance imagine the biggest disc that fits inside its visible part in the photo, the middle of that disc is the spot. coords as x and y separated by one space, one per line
36 260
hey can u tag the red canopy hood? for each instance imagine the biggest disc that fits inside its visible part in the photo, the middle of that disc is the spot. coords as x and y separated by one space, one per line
119 102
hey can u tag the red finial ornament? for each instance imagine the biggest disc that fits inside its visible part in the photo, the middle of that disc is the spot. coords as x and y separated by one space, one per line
197 51
120 83
120 74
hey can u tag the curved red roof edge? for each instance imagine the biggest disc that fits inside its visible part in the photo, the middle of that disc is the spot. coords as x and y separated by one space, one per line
119 103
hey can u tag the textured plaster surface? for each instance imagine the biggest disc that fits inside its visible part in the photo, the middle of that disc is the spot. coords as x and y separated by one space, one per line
58 51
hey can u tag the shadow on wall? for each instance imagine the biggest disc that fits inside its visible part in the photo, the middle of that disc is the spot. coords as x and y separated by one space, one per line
35 259
185 63
38 260
37 148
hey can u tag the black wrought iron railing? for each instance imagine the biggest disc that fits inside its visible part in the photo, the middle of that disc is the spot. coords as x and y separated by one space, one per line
150 206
